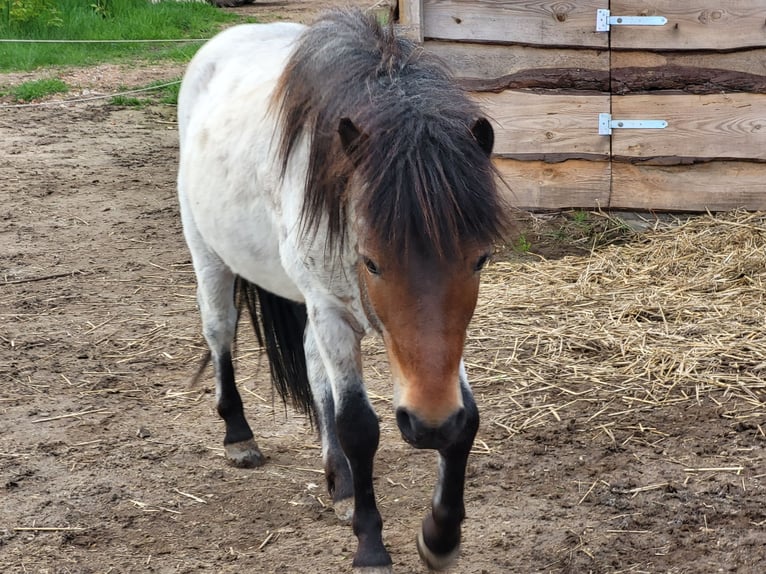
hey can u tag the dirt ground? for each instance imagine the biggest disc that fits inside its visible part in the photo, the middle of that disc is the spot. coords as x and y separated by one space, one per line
111 462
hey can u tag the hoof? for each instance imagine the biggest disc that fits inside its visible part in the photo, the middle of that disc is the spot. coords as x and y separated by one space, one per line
244 454
373 570
436 561
344 509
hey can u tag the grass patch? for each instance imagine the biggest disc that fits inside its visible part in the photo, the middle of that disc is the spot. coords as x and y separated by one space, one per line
36 89
522 244
103 20
127 101
162 92
167 94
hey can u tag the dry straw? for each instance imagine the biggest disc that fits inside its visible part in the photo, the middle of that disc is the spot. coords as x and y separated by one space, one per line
675 317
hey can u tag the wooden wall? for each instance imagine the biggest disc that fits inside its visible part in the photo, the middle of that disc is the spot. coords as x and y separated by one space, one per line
543 74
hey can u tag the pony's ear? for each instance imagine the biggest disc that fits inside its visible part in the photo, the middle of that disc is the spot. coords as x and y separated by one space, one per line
484 134
351 137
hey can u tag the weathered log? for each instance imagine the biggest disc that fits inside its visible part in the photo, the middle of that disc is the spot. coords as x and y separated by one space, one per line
542 79
629 80
689 79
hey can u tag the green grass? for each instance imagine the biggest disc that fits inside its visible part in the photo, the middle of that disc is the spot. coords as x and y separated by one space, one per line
105 20
36 89
167 94
127 101
156 92
522 244
580 217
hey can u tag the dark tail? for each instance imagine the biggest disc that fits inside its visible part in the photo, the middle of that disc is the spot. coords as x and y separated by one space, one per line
279 325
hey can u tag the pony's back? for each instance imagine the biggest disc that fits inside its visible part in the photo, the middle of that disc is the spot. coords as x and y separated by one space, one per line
255 51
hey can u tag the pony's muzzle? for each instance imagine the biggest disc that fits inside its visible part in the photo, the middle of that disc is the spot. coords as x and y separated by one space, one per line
422 435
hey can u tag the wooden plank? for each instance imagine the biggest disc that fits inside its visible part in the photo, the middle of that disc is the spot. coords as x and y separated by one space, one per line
692 24
535 22
490 61
411 19
714 186
546 126
537 185
724 126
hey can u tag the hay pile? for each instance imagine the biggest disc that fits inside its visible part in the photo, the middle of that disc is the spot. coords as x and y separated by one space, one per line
677 316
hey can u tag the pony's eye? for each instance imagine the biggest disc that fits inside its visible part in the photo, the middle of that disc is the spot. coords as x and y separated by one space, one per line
371 266
481 262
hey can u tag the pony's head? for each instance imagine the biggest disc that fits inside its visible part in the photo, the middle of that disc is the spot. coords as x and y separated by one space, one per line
425 222
399 160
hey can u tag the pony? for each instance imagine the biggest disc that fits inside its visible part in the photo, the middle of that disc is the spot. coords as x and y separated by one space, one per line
336 181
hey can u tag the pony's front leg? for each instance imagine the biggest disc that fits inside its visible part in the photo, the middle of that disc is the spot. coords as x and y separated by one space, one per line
338 341
336 469
359 433
439 538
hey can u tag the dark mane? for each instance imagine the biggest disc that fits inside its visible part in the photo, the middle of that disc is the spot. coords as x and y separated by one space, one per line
426 182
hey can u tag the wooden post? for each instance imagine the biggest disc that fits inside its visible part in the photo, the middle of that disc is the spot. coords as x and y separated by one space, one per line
411 19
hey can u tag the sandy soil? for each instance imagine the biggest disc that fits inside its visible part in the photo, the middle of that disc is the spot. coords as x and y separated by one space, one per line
111 462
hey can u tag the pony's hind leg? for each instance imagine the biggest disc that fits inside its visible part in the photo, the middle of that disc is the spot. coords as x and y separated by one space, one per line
439 539
336 469
215 294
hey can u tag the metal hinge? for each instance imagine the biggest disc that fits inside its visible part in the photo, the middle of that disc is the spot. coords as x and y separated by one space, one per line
606 124
604 21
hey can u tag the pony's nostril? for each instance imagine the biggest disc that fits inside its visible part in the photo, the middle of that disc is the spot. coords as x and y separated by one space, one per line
404 422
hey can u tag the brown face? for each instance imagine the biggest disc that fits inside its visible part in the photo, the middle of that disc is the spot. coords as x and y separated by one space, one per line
422 305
